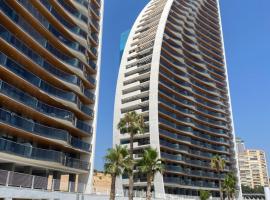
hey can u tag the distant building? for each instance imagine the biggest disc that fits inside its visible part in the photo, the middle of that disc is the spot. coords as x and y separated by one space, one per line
240 145
101 183
253 166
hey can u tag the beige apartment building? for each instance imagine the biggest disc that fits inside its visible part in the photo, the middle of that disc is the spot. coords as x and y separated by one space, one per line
253 167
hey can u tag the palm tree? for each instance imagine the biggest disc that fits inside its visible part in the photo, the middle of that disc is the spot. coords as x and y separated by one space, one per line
150 164
115 162
132 123
229 185
218 164
204 194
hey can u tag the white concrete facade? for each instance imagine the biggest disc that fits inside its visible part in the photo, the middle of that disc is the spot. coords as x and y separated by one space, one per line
170 33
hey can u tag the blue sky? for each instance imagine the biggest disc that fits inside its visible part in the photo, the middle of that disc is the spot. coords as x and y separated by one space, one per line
246 27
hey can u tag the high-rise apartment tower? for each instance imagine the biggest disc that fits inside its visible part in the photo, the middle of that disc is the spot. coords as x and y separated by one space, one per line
173 71
49 81
252 166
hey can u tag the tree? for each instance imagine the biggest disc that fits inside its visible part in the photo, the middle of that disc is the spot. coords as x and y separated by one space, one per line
115 162
132 123
150 164
248 190
218 164
229 185
204 194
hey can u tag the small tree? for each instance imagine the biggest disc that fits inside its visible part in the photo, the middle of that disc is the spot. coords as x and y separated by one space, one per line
115 162
132 123
204 194
150 164
218 164
229 185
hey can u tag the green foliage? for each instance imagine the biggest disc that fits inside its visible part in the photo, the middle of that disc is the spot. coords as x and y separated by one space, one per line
131 123
204 194
116 160
150 164
229 185
217 163
249 190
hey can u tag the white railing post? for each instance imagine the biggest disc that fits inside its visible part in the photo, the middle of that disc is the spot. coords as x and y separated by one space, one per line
69 186
33 182
8 175
52 185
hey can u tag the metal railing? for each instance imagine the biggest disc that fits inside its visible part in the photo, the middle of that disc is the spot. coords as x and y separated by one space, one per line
15 179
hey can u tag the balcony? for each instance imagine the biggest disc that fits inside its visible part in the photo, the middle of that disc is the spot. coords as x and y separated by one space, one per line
28 125
27 151
39 83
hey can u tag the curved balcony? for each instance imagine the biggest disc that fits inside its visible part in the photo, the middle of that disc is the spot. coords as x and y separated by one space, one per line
74 29
191 173
15 17
174 147
28 125
27 151
186 111
25 98
178 120
73 11
188 140
193 105
188 182
39 83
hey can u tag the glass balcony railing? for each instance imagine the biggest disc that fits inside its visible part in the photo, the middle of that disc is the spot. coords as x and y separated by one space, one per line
85 3
184 128
29 29
29 125
33 79
84 127
89 94
27 151
73 11
68 25
25 98
187 181
192 141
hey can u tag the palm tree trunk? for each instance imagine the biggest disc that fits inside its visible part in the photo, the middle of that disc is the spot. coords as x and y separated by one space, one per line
112 193
148 190
131 182
220 186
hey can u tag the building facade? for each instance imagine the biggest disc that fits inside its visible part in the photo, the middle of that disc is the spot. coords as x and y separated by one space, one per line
101 183
173 72
49 81
253 168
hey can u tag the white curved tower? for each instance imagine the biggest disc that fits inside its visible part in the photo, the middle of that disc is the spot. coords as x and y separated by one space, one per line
173 71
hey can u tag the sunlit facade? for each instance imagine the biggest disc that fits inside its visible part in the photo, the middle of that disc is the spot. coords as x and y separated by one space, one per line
49 81
173 71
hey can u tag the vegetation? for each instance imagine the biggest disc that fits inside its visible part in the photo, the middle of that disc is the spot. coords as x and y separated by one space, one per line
116 160
218 164
204 194
249 190
229 185
132 123
150 165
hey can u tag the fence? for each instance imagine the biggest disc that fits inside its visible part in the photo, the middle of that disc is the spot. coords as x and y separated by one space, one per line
9 178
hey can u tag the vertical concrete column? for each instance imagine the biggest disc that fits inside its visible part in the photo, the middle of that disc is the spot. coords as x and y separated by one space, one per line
267 193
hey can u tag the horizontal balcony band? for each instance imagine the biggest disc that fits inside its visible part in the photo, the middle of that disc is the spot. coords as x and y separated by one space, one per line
34 80
12 119
186 161
27 151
